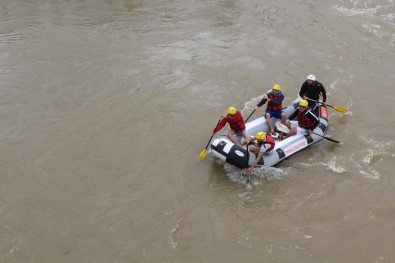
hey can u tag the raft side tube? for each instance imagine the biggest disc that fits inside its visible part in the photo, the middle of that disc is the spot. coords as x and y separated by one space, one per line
231 153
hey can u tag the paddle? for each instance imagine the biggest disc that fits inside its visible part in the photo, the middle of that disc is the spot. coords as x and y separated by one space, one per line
329 139
339 109
283 128
203 153
248 184
250 115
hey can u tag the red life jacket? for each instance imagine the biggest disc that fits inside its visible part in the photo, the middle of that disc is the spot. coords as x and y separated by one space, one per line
270 105
236 123
304 121
269 140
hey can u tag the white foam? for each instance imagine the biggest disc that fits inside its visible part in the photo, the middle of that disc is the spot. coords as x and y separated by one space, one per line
256 178
173 230
373 174
356 12
331 165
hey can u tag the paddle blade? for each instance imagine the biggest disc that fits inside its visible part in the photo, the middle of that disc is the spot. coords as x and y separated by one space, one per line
340 109
282 128
203 154
329 139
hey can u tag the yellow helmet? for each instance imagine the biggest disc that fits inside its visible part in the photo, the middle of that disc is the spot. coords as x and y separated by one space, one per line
276 87
261 136
303 103
232 110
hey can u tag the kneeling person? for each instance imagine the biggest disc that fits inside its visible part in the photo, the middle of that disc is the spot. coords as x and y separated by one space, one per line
265 145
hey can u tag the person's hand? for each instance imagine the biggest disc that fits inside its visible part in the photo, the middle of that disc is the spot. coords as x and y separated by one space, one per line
249 170
310 131
223 116
305 97
324 102
265 97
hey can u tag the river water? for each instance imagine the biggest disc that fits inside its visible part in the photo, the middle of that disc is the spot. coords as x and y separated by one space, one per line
106 105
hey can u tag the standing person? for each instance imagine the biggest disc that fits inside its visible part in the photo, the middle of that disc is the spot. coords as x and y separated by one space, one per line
312 89
236 123
307 120
274 106
265 146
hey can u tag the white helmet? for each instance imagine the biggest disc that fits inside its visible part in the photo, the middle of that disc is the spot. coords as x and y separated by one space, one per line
311 77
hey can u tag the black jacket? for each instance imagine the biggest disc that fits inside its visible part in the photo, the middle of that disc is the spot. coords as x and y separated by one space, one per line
313 91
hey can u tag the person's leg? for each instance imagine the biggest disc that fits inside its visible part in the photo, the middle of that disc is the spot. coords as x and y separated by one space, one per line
283 118
247 137
269 122
294 128
231 135
288 124
254 148
293 131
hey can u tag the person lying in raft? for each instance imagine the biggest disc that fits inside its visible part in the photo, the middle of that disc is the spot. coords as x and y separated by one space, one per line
264 146
236 123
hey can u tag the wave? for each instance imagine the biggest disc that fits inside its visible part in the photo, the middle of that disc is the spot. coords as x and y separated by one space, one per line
257 177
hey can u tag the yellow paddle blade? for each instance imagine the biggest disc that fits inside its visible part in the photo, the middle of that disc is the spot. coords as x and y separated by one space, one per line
203 154
340 109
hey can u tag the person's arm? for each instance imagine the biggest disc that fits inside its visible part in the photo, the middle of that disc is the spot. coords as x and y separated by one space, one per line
258 158
293 115
323 91
302 90
220 125
263 101
314 118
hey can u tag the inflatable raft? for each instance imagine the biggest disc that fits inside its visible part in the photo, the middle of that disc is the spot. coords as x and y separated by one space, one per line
224 149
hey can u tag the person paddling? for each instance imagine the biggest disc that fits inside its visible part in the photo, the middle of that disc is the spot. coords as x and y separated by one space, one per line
236 123
312 89
274 106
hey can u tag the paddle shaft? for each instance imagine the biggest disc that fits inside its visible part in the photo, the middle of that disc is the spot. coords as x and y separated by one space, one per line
250 115
343 110
212 135
317 101
329 139
249 175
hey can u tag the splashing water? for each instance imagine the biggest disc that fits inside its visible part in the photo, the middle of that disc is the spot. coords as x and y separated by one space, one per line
256 178
334 166
367 159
